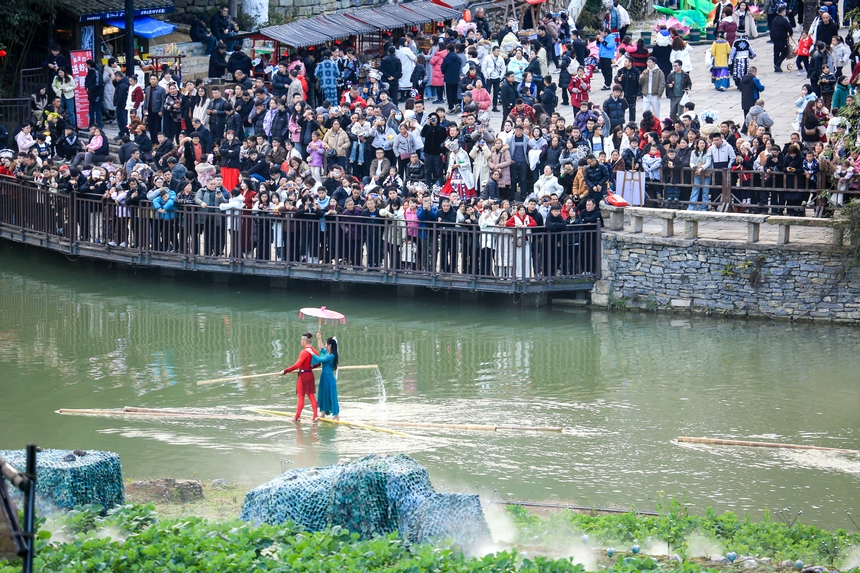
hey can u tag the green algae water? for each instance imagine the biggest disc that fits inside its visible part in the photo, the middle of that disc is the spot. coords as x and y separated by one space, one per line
623 386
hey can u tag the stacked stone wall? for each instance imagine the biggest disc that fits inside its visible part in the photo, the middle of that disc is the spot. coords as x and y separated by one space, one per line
793 281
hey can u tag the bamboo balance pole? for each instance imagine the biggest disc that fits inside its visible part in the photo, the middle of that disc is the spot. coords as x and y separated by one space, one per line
330 421
278 373
721 442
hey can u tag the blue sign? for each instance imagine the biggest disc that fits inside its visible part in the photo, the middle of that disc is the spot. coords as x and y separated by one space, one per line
121 14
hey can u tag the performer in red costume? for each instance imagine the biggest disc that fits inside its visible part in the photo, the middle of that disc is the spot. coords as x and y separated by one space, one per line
305 383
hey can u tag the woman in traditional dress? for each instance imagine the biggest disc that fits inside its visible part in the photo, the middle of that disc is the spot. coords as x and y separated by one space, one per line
522 249
720 51
305 385
460 178
328 359
740 56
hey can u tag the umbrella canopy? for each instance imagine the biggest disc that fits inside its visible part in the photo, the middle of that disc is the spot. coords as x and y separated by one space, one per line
322 313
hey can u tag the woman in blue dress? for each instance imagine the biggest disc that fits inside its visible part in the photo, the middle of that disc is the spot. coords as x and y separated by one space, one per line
327 392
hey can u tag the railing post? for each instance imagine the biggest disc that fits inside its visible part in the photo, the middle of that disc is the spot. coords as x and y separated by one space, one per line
726 196
598 260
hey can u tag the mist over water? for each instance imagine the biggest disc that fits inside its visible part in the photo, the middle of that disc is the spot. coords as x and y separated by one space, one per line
623 386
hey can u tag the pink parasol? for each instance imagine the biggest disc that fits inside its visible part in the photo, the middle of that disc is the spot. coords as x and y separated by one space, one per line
323 314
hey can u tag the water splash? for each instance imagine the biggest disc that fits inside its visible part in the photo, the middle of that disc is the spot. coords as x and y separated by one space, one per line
380 384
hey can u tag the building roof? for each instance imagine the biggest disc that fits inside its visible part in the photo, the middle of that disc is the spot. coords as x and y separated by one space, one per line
322 29
434 12
416 13
379 20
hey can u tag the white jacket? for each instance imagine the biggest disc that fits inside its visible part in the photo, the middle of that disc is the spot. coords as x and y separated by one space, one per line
685 57
407 64
547 185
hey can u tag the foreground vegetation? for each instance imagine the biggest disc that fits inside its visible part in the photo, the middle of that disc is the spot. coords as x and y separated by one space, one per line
135 539
674 532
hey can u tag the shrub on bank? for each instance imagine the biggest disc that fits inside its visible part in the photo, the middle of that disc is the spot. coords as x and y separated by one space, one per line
781 538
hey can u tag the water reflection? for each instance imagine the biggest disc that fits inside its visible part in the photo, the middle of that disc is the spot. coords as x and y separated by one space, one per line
623 386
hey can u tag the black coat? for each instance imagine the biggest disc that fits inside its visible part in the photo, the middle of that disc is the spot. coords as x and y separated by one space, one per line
217 64
555 223
120 94
206 139
451 66
230 153
482 26
155 99
94 85
239 61
629 81
391 70
564 76
509 93
434 137
749 91
549 99
616 109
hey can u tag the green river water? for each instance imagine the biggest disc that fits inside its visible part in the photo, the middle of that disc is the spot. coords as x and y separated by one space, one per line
623 386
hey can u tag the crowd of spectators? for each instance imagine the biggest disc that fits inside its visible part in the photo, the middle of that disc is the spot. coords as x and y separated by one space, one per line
322 134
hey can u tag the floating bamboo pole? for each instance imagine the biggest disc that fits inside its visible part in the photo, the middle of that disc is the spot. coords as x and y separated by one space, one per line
534 428
163 414
278 373
468 426
721 442
440 426
329 420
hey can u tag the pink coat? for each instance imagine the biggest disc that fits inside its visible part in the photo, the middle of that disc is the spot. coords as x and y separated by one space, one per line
438 78
482 98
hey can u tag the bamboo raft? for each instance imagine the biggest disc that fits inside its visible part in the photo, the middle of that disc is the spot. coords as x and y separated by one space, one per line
748 444
269 415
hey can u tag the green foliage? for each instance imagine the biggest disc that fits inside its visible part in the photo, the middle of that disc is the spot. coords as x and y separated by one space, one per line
767 538
591 18
849 224
19 22
131 539
195 544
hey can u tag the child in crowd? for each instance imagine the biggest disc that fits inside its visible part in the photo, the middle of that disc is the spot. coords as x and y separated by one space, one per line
804 45
826 85
844 177
672 173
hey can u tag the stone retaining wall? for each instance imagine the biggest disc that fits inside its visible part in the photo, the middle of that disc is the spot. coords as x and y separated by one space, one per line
794 281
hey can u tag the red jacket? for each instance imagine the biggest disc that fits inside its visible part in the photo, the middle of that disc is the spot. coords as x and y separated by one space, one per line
304 360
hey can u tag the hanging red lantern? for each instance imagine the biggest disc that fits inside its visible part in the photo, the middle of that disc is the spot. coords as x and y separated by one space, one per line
2 53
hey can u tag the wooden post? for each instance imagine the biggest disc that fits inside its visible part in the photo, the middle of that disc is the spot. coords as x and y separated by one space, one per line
726 197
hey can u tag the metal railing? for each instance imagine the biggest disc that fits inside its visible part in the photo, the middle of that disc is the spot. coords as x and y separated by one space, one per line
753 191
14 112
31 79
341 247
